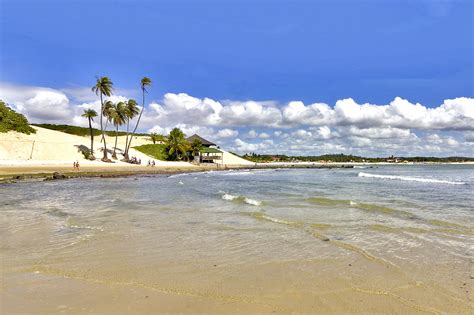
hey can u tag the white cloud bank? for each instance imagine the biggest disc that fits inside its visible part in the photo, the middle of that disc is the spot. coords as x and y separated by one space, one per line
400 127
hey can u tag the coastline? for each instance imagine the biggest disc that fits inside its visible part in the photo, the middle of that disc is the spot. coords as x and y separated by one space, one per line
13 173
35 170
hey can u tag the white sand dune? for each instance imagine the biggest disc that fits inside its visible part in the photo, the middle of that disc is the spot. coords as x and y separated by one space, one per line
50 147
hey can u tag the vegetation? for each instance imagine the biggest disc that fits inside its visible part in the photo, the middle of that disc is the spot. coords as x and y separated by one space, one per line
157 151
90 114
103 86
195 147
13 121
176 146
155 137
82 131
262 158
131 110
117 116
144 83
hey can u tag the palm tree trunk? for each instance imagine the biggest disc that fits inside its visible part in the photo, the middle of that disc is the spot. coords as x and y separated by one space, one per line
125 155
138 121
105 158
92 137
114 155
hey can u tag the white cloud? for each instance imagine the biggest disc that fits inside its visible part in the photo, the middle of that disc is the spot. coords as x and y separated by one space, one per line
227 133
295 128
251 134
38 104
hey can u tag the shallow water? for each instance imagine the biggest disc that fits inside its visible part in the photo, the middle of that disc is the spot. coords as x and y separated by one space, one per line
393 237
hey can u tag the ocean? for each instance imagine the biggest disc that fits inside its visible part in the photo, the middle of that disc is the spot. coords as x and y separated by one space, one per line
372 239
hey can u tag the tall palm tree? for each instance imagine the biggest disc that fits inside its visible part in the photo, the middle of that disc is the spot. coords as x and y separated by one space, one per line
144 83
90 114
107 113
177 145
103 86
117 117
131 110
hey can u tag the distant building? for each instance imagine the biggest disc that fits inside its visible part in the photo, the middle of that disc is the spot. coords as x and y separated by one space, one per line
205 143
209 152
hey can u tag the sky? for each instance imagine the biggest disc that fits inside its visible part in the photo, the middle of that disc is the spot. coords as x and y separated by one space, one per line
367 77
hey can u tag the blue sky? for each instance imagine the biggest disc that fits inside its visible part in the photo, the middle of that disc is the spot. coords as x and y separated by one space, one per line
279 51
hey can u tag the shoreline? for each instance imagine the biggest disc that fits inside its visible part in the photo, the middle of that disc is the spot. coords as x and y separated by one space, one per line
13 174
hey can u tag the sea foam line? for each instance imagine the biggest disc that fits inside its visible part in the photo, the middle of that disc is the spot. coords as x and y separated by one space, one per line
410 178
244 199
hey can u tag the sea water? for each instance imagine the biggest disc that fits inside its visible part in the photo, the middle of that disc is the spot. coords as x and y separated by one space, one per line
404 225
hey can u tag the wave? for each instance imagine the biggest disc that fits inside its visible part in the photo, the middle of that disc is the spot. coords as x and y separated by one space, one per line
410 178
332 202
368 207
178 175
243 199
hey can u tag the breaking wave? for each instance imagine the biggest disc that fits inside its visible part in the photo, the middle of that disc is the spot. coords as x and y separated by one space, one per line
410 178
243 199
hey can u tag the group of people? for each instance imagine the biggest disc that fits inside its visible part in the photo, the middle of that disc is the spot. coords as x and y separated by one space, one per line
151 163
75 165
134 160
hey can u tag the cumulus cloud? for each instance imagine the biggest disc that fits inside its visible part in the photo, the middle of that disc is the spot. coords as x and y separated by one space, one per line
399 127
227 133
38 104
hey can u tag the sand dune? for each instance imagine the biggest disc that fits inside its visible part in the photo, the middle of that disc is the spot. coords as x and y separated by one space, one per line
50 147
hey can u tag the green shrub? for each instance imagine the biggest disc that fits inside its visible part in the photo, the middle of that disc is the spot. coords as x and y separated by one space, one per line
156 151
82 131
13 121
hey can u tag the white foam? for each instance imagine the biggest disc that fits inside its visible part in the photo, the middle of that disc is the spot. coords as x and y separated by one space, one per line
178 175
252 202
352 203
246 200
410 178
227 196
181 183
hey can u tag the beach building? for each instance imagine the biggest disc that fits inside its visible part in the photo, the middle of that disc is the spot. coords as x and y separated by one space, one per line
209 152
212 153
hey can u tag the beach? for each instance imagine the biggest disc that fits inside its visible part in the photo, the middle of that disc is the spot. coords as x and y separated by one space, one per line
326 241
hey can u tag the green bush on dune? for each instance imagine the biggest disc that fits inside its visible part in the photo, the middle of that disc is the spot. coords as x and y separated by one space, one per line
13 121
158 151
82 131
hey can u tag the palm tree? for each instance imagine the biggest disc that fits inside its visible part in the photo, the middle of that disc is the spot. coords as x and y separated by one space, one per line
107 113
131 110
157 137
143 85
177 145
103 86
117 117
196 147
90 114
